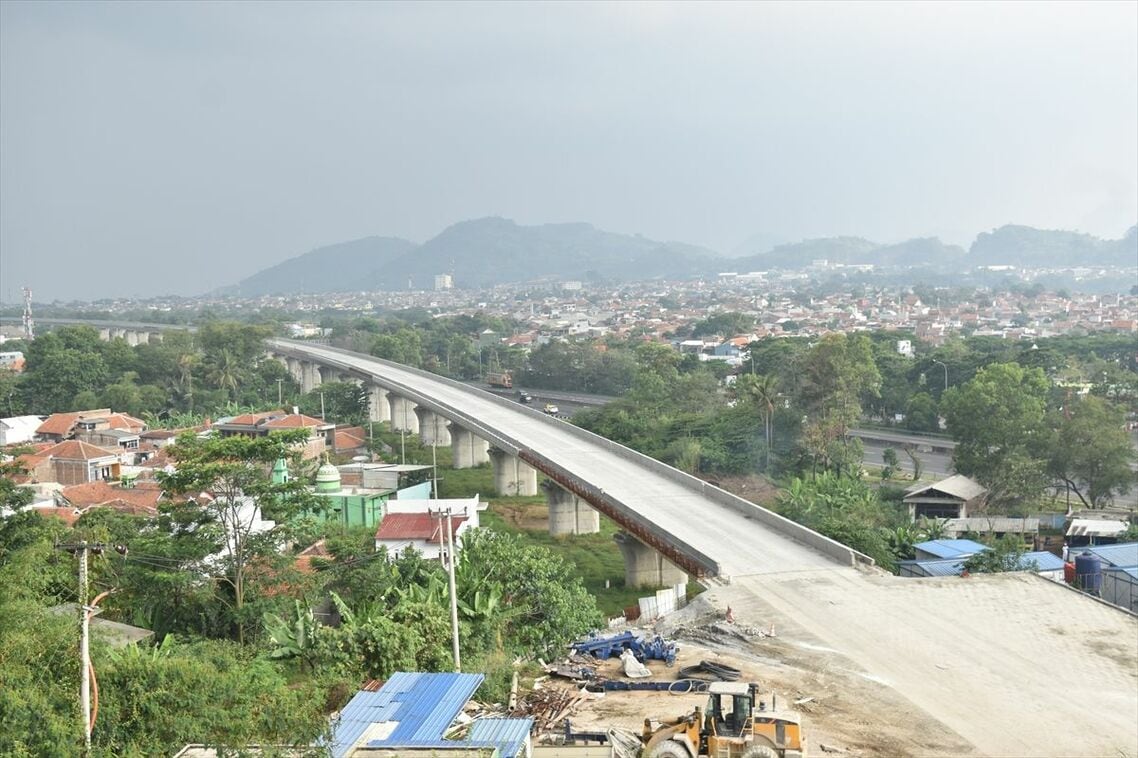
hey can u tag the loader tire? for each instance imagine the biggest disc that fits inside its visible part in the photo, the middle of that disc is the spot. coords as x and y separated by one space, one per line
759 751
670 749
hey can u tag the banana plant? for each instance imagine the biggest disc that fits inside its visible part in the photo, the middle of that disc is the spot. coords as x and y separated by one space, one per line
292 639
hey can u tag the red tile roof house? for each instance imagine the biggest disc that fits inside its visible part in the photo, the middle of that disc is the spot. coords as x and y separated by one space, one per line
64 426
421 531
72 462
350 439
138 500
259 424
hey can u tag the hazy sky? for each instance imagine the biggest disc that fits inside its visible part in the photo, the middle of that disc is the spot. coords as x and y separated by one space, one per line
152 148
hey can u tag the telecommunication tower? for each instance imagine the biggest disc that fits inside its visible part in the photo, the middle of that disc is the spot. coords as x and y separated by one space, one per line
29 322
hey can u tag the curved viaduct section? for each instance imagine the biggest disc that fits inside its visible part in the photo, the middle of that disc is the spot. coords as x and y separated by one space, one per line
694 525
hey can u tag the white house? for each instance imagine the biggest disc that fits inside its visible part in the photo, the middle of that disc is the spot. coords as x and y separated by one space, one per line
18 429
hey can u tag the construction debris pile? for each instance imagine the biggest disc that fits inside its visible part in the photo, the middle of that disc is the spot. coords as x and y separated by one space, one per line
656 648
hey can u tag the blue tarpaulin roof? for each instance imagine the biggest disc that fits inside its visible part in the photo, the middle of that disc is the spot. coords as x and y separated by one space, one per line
950 548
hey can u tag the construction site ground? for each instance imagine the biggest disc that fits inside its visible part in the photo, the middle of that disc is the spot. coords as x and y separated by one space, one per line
994 665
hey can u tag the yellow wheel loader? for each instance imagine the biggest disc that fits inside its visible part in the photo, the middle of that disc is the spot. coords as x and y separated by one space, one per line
735 724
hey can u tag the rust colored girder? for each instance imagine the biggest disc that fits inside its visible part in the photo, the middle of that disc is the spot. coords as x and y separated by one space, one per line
609 507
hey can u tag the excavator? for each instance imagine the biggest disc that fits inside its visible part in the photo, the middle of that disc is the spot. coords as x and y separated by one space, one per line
736 723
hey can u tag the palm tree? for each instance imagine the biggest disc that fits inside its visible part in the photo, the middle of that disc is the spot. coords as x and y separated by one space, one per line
762 390
185 379
226 373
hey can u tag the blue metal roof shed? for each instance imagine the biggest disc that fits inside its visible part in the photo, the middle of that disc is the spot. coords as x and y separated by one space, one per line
1123 555
1043 561
934 549
508 735
411 707
413 711
949 567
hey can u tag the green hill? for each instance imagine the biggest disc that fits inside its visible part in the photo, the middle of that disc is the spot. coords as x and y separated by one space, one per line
1028 247
356 265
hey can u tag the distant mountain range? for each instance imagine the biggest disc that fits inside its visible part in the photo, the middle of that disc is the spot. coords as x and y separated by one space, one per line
489 251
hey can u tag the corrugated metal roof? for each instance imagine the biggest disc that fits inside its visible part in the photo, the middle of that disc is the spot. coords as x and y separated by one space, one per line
1093 527
1123 555
508 735
950 548
421 707
957 486
991 524
954 566
1046 561
413 526
1131 571
951 567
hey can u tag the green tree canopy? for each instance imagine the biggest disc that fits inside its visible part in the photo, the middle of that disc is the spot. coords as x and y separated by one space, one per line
997 420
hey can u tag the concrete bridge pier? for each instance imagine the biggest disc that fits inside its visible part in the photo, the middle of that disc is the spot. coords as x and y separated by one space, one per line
512 475
644 566
402 414
105 334
569 514
118 334
295 370
432 428
378 407
467 449
131 337
329 374
310 376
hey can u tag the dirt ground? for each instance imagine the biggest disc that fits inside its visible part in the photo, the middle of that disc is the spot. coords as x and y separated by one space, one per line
882 666
842 708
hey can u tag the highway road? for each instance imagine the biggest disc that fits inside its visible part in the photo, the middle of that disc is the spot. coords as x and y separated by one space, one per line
933 464
673 504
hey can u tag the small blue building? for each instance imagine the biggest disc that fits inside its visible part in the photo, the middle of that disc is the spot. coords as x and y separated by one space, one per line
1045 564
411 714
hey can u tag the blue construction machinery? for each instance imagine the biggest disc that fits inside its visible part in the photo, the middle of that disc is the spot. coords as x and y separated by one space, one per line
654 649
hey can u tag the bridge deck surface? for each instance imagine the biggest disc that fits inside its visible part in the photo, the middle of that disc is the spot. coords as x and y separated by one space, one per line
740 545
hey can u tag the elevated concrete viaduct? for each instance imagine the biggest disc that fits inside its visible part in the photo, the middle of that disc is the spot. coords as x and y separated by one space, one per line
679 524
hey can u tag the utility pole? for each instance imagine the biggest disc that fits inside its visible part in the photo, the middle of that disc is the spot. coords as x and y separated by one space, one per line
84 651
939 363
447 555
280 393
83 551
322 405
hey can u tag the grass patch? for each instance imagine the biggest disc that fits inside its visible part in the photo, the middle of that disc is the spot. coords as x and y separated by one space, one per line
465 482
596 557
